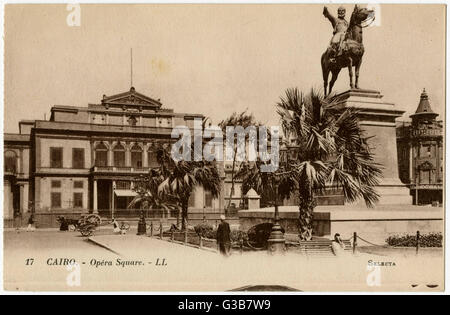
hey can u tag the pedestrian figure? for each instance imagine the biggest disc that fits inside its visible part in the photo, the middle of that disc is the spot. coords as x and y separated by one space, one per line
116 227
337 245
223 236
31 223
64 226
123 228
17 220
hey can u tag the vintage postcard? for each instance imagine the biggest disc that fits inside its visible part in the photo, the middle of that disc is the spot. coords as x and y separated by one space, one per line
224 148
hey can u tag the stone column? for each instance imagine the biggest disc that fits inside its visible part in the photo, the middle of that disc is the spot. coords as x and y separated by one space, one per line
127 154
18 164
21 201
25 197
8 211
94 204
21 161
110 155
145 156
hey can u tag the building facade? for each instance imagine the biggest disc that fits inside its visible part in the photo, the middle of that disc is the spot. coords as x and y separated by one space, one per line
420 154
85 159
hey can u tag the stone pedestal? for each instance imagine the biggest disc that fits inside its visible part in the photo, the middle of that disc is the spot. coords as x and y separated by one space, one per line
377 119
253 199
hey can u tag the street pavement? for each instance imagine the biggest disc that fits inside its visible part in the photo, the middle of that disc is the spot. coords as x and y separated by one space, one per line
129 262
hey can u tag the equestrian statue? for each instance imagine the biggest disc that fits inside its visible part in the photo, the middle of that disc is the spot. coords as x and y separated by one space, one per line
346 47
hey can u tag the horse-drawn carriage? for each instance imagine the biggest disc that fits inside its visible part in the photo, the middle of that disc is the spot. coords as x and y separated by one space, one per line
87 224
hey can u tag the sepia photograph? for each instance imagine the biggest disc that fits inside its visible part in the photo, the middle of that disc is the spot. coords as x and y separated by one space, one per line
233 147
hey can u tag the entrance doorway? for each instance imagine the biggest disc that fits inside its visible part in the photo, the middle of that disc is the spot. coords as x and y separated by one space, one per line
104 188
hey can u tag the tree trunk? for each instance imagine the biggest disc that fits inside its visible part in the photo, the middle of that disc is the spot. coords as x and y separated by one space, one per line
184 215
178 218
306 212
232 177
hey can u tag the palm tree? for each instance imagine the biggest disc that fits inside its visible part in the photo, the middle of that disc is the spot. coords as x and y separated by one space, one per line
334 152
275 186
146 187
182 179
330 151
170 185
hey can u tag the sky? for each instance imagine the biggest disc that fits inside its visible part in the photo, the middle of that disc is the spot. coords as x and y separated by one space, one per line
210 59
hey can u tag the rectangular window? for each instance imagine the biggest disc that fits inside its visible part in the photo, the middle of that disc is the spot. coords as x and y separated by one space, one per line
56 157
56 184
208 199
191 203
77 158
78 200
56 200
78 184
425 176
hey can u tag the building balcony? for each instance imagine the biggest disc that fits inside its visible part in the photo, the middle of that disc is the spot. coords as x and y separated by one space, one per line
9 171
120 169
78 127
435 186
62 170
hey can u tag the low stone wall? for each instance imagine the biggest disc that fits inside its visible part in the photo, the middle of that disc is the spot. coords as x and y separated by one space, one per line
288 220
374 225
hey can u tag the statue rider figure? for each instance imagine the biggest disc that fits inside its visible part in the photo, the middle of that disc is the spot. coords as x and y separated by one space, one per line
340 26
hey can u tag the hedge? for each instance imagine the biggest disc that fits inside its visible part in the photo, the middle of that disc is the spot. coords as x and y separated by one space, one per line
426 240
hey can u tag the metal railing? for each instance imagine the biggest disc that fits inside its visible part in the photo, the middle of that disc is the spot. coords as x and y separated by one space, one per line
120 169
136 213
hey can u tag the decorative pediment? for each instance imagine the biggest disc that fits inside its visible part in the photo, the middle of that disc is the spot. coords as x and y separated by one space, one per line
131 98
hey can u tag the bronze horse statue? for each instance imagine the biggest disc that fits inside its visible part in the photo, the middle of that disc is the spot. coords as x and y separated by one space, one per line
352 53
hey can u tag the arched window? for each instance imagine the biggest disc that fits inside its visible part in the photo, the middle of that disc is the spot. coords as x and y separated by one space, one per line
136 156
119 155
10 162
101 155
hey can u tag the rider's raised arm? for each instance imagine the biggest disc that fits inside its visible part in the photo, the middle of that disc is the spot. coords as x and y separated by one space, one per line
329 16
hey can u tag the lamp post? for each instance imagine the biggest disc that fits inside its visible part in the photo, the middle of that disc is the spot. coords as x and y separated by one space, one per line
142 225
276 241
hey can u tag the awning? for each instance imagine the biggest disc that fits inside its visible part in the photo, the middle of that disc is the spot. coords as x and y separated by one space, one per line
125 193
